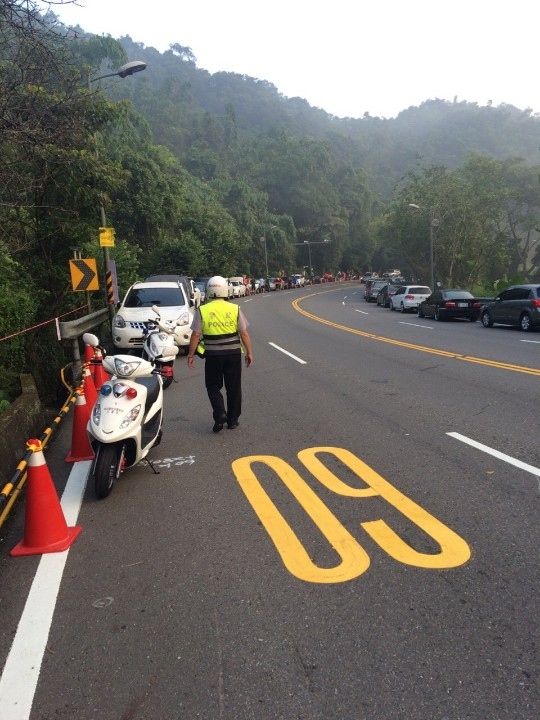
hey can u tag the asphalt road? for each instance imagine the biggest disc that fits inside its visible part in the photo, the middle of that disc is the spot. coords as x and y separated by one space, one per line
363 547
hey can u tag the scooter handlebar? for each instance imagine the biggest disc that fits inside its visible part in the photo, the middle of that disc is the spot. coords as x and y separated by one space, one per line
168 326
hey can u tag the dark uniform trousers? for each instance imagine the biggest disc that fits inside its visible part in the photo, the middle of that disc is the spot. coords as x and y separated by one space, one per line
228 369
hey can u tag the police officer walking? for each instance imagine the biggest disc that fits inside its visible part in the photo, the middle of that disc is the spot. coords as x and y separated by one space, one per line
219 331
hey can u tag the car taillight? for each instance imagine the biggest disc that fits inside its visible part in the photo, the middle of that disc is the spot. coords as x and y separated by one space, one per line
450 303
409 297
477 304
536 303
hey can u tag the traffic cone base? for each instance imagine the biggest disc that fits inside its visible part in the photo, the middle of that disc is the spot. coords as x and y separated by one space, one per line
45 527
80 444
23 548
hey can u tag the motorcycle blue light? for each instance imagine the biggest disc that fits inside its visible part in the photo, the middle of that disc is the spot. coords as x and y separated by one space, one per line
106 390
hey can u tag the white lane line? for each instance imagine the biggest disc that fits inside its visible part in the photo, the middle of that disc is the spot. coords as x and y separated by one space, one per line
21 671
495 453
361 311
534 342
294 357
426 327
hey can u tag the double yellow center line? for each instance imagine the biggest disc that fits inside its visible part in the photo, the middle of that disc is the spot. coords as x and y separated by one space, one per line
412 346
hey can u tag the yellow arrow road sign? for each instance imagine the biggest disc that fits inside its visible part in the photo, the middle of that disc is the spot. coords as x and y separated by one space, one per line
84 274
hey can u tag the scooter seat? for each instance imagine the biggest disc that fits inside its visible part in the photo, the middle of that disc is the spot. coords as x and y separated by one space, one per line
152 385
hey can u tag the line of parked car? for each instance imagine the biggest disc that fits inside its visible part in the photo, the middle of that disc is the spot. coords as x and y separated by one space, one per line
179 296
518 305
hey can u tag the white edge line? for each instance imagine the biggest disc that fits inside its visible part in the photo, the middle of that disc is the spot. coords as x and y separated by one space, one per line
21 672
302 362
495 453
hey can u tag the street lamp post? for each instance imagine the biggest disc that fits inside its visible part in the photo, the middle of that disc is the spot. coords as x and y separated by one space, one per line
309 243
263 240
309 259
129 68
432 223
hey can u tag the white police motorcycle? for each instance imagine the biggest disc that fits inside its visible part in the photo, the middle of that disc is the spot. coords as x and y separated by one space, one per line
125 421
159 339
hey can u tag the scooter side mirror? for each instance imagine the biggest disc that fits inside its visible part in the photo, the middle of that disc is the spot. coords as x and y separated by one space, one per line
156 309
90 339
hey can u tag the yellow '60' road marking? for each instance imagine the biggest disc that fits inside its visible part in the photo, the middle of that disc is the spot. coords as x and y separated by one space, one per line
454 551
411 346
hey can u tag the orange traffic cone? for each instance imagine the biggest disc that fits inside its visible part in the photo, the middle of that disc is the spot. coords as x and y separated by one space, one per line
99 373
89 387
80 444
45 527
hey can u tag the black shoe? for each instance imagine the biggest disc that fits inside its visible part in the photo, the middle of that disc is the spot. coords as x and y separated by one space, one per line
218 425
233 424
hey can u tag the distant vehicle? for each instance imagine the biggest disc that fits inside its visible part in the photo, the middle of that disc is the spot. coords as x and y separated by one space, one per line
385 294
201 285
239 288
298 280
518 305
450 305
372 289
407 298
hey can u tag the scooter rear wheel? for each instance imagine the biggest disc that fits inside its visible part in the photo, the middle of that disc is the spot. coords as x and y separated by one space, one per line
107 468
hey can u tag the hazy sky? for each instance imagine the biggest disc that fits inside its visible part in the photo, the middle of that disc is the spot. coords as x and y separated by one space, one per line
347 57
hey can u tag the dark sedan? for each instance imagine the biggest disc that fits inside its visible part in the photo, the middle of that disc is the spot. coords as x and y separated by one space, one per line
385 293
449 305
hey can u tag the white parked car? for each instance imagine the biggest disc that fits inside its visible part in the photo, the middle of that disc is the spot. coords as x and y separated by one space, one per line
135 311
407 298
239 288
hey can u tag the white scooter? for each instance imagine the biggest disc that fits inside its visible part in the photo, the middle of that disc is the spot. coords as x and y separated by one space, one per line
125 422
159 337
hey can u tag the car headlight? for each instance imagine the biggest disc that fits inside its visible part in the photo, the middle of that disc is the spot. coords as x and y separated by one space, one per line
119 321
183 319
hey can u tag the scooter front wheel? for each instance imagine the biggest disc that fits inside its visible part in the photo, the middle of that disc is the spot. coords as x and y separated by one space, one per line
107 468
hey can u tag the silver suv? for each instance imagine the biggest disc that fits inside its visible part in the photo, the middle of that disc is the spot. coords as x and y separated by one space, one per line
518 305
135 311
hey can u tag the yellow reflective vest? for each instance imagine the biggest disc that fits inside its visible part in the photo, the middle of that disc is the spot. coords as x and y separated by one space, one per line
220 328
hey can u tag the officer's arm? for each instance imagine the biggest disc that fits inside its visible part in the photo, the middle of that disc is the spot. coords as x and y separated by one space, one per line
246 342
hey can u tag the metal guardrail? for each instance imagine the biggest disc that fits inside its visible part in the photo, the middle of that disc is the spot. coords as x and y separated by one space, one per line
73 330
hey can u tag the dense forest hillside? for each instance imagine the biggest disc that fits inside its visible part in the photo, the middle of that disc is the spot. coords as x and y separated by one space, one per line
436 132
